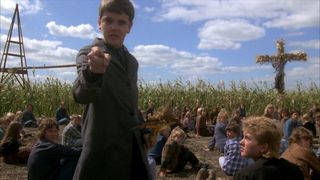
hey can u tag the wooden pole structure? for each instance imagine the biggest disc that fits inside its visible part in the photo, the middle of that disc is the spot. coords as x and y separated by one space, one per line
278 62
22 75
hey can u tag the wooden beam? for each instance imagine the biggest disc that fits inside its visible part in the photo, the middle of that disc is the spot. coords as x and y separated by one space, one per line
14 71
36 67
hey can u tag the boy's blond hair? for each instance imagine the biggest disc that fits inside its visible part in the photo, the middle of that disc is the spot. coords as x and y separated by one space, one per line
265 132
177 132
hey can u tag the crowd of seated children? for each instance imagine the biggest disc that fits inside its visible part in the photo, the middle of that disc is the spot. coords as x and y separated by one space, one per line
224 139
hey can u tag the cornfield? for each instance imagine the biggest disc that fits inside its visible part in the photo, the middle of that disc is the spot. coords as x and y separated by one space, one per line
46 96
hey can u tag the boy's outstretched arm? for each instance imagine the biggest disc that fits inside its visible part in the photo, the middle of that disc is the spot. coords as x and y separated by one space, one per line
91 65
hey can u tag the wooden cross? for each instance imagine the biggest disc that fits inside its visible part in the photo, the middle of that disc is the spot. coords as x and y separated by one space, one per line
279 61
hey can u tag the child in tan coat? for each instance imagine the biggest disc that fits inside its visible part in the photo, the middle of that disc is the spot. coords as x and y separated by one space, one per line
300 153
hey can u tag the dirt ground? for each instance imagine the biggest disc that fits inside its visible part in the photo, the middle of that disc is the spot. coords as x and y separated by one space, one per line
195 144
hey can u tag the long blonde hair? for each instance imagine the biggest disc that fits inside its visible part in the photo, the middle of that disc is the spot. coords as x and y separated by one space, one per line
222 113
266 113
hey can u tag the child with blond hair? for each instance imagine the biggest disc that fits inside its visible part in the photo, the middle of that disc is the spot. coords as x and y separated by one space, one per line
261 141
175 155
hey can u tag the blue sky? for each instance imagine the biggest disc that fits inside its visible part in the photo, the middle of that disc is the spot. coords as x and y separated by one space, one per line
212 40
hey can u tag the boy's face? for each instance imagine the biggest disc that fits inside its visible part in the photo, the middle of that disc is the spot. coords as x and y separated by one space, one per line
179 139
29 107
284 114
114 27
304 142
249 147
231 134
294 116
270 110
77 121
52 134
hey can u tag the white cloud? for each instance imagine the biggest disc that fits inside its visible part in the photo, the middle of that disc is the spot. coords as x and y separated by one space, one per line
219 34
274 13
83 31
190 66
244 69
301 14
149 9
44 52
157 55
296 21
311 44
306 72
6 22
197 65
184 64
64 76
25 6
294 34
49 52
